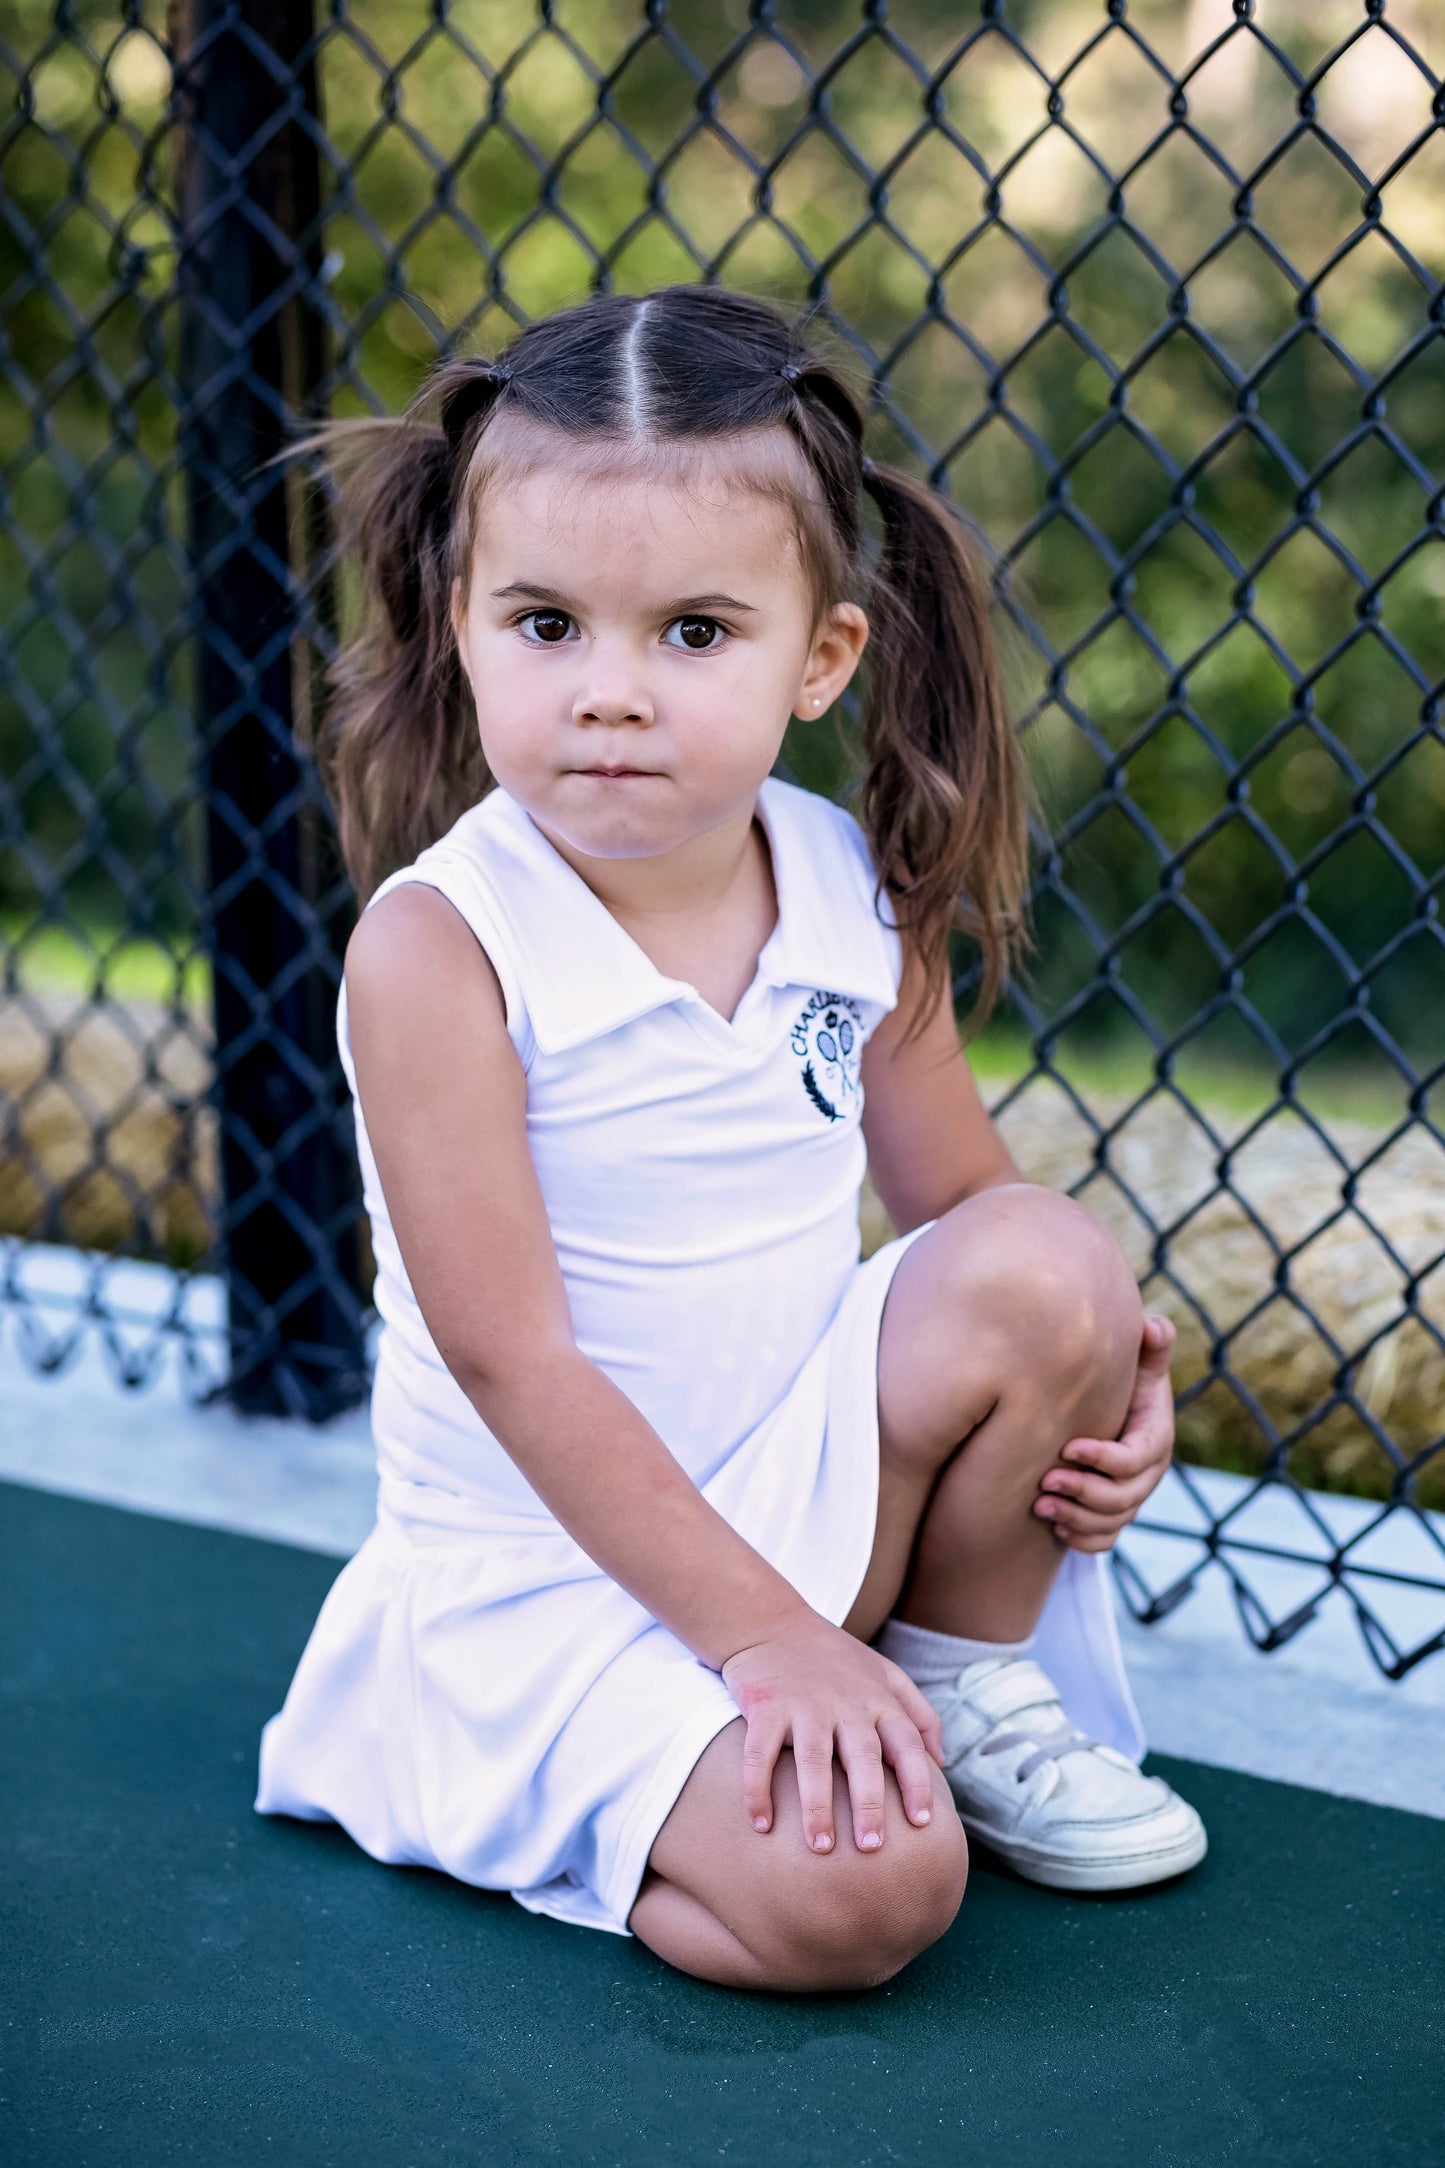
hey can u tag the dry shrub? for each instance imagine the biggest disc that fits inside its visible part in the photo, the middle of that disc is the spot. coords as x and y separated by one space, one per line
1224 1247
109 1142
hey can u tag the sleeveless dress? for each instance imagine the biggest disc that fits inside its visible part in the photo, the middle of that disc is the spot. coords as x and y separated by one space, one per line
476 1695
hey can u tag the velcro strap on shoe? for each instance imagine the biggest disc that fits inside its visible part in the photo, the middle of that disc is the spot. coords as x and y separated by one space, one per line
1013 1687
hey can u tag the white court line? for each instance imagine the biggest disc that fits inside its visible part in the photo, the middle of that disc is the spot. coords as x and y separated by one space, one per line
1316 1712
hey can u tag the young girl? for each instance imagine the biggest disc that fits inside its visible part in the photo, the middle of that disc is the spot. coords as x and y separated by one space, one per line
720 1580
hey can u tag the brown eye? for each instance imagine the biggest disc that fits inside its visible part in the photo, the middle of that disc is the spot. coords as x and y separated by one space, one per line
548 625
698 633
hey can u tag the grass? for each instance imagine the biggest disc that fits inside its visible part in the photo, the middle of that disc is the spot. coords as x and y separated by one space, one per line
1002 1053
107 961
124 967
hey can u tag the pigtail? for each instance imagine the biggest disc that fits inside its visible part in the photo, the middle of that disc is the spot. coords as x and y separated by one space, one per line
397 746
946 795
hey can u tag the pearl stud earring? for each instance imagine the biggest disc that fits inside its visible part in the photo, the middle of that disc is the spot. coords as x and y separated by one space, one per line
817 703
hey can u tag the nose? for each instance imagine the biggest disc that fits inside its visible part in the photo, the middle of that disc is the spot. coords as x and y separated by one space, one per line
612 691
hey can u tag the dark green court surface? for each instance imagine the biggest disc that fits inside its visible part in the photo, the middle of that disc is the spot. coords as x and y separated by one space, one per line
186 1981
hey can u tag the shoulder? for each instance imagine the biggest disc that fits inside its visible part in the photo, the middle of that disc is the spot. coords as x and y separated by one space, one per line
411 948
445 921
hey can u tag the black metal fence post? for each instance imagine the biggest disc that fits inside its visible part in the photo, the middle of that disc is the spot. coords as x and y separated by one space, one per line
253 350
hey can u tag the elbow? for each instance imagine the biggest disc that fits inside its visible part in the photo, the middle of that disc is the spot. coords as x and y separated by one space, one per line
500 1381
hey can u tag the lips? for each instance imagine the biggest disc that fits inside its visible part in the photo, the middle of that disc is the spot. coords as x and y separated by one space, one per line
615 771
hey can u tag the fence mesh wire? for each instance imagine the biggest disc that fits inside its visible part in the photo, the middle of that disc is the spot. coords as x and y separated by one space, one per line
1154 291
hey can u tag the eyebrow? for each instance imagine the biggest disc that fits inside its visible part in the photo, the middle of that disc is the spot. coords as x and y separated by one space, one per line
683 606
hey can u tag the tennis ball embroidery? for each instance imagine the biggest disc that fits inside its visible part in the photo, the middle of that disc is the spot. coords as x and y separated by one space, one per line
828 1039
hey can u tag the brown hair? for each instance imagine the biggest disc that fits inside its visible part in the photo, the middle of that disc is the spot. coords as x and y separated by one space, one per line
944 796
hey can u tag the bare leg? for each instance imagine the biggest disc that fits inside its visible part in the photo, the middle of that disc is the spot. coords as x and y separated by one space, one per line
730 1904
1012 1326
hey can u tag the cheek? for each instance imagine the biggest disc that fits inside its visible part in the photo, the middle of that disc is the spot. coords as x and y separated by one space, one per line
733 721
749 690
501 679
509 707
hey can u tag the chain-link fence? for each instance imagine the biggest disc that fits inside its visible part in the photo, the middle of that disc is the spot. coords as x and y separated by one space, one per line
1155 290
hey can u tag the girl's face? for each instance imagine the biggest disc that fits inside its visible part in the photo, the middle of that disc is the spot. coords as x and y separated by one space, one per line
657 623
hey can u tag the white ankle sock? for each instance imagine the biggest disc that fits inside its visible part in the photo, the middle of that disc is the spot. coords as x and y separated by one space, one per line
932 1659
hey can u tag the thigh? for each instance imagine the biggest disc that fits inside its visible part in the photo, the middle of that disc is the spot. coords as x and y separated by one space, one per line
768 1887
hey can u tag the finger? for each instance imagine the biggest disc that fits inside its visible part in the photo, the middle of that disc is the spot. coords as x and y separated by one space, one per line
1102 1493
1156 1344
1148 1446
919 1710
813 1760
1067 1520
1070 1520
904 1746
760 1754
1151 1398
862 1757
1091 1543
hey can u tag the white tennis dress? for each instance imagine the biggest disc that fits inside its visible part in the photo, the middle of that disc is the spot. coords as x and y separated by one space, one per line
476 1695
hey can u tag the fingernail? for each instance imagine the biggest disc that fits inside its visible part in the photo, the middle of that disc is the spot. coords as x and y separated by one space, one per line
760 1821
1045 1506
924 1814
822 1842
869 1841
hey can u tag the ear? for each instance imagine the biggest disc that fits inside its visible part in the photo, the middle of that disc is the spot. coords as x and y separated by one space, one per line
836 651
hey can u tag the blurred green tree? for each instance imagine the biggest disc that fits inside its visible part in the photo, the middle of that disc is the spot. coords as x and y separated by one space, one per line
1176 351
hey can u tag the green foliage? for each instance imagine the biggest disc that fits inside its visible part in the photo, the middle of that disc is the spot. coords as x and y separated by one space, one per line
1220 598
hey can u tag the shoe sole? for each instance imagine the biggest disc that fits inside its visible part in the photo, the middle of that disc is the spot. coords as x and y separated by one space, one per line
1134 1871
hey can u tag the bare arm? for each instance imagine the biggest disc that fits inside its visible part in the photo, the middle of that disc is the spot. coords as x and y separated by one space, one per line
444 1097
931 1141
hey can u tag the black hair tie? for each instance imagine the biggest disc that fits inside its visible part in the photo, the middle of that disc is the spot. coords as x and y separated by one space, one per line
821 388
473 396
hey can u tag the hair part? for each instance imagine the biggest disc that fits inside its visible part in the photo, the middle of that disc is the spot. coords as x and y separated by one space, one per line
944 795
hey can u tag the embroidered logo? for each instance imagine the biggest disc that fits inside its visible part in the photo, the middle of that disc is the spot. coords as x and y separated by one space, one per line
828 1039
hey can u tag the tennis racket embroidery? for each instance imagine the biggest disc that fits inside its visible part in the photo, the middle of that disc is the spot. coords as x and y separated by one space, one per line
828 1039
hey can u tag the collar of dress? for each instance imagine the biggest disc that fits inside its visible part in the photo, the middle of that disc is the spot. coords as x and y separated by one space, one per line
585 975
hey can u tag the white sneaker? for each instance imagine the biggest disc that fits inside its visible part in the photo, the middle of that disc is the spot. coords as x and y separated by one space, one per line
1059 1807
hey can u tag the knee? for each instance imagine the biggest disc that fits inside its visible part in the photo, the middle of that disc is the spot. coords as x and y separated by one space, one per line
1036 1265
861 1917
